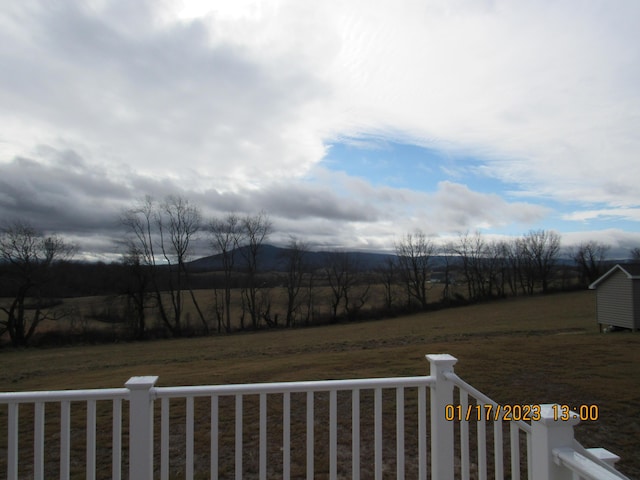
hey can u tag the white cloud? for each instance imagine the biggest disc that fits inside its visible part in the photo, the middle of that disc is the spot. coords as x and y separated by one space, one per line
620 241
544 91
162 100
629 214
463 209
237 101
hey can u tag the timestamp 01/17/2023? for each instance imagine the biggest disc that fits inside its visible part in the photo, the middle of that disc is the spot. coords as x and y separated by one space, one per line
489 412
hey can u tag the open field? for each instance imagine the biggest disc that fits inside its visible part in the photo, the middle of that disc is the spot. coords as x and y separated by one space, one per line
79 317
528 350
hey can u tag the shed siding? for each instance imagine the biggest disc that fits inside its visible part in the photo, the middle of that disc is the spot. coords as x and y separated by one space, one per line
636 304
615 301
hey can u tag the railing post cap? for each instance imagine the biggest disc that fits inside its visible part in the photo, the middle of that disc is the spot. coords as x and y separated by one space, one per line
441 358
441 363
141 383
550 416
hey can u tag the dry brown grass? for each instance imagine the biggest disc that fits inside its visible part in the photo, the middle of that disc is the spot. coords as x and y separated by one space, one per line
83 315
530 350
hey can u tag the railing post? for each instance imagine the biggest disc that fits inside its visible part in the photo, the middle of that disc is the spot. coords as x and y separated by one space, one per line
546 434
141 427
441 429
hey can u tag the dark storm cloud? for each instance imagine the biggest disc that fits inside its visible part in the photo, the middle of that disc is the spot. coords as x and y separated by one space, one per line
295 202
66 196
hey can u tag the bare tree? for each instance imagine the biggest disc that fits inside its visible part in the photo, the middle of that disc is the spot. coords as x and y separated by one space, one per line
310 296
140 223
493 265
519 269
499 252
414 252
541 248
27 257
484 265
256 229
226 236
178 223
296 265
590 258
449 256
635 254
161 235
388 274
470 249
138 288
358 294
341 271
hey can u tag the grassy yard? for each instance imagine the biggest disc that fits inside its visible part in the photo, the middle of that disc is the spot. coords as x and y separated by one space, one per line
530 350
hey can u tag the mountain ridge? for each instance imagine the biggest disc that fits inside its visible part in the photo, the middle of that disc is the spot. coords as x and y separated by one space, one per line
273 258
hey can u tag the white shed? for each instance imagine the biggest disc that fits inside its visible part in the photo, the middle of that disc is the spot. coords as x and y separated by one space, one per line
618 296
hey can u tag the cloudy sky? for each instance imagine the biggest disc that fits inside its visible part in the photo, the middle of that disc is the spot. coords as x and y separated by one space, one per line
349 123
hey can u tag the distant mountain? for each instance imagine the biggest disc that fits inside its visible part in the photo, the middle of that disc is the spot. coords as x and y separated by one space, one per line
274 259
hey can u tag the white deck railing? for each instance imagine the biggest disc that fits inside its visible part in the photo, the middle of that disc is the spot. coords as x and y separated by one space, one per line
368 428
488 410
284 392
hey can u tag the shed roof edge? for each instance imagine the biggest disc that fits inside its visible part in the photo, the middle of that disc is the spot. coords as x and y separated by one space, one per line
617 266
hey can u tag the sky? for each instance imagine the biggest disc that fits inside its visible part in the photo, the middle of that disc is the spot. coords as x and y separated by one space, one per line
349 123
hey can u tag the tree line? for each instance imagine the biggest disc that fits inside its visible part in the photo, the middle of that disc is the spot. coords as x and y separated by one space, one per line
157 284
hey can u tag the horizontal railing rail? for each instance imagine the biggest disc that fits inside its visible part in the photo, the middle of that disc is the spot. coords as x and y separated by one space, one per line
282 387
63 395
586 464
583 467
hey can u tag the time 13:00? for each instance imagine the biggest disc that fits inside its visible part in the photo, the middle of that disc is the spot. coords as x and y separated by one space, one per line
583 412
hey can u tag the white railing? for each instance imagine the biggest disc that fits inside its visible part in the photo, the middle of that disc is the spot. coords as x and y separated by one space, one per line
357 428
64 399
484 410
583 465
308 402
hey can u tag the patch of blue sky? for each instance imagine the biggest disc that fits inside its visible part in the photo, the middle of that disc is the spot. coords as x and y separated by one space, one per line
602 222
398 165
577 218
